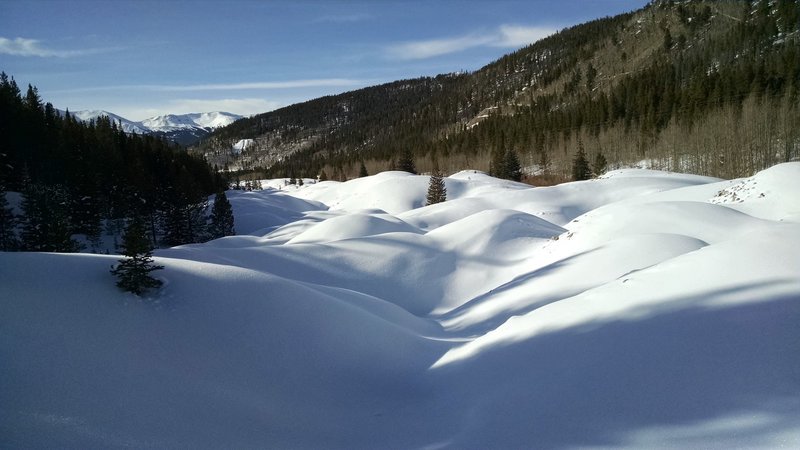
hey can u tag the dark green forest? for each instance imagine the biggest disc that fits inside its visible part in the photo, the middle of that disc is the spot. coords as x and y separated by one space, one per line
80 178
693 86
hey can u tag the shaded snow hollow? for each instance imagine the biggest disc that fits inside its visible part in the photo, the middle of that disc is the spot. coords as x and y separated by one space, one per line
643 309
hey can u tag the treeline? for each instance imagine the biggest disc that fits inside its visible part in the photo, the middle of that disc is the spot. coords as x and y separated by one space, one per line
81 178
622 86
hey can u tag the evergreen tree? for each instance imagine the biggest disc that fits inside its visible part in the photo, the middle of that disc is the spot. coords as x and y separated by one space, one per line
511 166
405 162
580 165
221 217
362 171
133 272
600 164
437 192
497 166
8 224
46 221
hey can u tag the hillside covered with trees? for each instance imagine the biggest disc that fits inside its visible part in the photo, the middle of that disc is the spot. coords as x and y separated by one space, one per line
79 178
695 86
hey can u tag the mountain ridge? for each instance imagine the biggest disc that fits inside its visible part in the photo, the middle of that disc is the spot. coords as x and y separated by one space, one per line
653 86
184 129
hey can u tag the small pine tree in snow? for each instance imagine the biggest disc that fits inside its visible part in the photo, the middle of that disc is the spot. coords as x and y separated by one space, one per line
437 192
133 272
580 165
221 217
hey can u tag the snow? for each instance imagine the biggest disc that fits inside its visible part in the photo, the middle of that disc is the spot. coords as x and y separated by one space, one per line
165 123
643 309
128 126
173 122
241 145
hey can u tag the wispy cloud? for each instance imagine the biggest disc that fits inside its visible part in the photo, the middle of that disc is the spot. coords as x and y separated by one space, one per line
32 47
258 85
506 36
514 36
437 47
291 84
342 18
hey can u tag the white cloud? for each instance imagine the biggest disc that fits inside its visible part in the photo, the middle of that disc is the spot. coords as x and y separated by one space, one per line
436 47
519 36
506 36
258 85
343 18
32 47
323 82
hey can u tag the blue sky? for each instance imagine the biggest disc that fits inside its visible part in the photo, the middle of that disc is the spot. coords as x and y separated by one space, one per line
144 58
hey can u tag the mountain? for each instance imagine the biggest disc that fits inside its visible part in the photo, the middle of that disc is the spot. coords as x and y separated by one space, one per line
128 126
184 129
695 86
172 122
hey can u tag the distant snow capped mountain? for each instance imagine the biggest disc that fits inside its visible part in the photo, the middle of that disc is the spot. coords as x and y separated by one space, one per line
174 122
185 129
128 126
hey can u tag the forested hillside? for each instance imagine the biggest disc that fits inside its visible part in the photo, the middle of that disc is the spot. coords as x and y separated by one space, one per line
696 86
80 178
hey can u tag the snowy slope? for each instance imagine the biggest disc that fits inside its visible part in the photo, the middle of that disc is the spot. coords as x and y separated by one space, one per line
166 123
173 122
643 310
128 126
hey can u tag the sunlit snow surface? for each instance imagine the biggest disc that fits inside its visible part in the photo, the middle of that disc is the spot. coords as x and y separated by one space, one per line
643 309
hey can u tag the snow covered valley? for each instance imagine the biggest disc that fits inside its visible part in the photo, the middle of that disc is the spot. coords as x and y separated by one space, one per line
643 309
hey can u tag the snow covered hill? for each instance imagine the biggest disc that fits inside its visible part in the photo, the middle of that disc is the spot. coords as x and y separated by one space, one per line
643 309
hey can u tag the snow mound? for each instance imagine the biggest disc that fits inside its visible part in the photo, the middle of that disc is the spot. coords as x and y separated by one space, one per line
641 309
771 194
486 231
353 226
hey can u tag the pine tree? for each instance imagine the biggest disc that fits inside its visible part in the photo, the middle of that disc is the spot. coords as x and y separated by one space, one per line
511 166
580 165
405 162
8 223
600 164
497 166
437 192
221 217
46 221
133 272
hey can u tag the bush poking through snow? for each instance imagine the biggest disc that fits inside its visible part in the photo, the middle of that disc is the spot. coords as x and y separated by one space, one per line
133 272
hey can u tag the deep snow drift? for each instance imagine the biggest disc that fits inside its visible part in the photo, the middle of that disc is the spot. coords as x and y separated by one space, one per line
643 309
